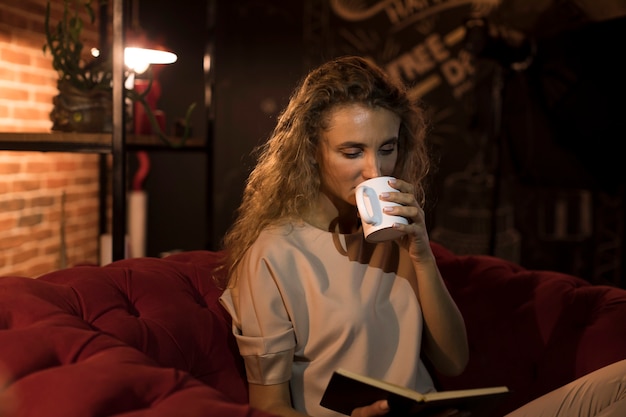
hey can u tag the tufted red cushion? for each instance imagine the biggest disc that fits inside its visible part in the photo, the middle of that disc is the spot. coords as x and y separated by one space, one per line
531 330
139 337
147 337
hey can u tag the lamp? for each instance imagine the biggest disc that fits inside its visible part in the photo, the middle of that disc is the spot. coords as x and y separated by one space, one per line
140 51
139 59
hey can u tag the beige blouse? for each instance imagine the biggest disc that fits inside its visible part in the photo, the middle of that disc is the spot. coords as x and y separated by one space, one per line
308 301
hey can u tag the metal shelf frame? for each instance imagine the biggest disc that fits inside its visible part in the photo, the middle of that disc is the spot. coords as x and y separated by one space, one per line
117 143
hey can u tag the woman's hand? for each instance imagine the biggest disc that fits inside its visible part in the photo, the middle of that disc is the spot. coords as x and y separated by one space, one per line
379 408
416 229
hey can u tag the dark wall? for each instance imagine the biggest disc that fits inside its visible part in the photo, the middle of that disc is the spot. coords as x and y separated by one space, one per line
177 180
545 134
258 60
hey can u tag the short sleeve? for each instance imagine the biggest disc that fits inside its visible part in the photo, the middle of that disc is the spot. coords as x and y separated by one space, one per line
261 323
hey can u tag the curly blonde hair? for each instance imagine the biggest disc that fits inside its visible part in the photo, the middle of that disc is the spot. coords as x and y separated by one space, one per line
285 183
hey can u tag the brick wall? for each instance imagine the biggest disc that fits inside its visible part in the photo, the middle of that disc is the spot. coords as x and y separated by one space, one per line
36 188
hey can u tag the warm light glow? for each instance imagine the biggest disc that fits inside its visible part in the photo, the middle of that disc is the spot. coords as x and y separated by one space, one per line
139 59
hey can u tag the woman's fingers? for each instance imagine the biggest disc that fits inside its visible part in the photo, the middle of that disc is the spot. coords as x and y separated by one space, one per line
379 408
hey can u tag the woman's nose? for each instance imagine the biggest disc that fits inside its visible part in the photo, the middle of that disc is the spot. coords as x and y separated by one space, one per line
371 168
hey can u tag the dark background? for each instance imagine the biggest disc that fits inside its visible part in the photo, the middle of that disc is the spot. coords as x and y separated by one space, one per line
178 186
555 152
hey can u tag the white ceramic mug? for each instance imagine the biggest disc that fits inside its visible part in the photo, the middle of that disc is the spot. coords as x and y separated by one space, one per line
377 225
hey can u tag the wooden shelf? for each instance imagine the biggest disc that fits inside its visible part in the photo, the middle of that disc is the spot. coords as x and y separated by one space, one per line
89 142
102 144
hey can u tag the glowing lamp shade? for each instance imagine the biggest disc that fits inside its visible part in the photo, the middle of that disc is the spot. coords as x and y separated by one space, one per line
139 59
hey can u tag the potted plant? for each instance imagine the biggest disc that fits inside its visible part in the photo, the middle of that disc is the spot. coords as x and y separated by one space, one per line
84 102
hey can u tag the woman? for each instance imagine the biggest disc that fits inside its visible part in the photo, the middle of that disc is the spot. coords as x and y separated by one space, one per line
306 292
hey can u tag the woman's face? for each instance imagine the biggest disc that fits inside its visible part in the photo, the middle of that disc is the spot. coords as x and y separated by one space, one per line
360 143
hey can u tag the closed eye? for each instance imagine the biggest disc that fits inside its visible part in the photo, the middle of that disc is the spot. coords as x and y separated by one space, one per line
352 152
388 148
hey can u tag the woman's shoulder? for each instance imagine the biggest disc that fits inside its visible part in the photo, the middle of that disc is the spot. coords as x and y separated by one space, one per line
281 247
282 236
297 239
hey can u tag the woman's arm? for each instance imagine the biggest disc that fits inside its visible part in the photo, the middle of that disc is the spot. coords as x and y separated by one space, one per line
275 399
445 338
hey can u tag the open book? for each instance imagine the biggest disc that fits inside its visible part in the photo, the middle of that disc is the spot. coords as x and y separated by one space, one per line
347 390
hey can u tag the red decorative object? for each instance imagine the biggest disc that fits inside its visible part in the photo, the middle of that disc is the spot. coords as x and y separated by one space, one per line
141 121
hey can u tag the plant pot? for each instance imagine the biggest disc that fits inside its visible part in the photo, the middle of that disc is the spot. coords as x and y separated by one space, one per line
82 111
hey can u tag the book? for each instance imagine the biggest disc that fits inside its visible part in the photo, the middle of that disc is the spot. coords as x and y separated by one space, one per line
347 390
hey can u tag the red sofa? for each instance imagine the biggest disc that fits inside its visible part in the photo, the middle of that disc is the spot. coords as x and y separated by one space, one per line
148 337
